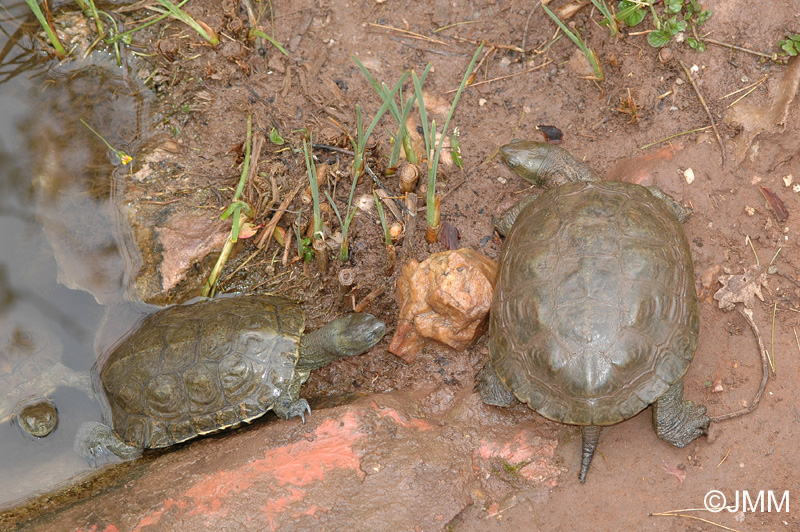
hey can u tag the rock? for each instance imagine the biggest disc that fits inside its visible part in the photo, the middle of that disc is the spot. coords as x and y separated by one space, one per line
445 298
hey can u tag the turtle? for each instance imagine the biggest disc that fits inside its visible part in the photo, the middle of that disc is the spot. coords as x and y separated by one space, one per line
199 368
594 315
30 371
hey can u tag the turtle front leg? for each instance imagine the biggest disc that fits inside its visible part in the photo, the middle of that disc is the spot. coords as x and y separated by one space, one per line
504 223
677 421
289 404
95 440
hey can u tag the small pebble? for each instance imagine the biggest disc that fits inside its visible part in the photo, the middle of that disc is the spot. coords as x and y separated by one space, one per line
688 175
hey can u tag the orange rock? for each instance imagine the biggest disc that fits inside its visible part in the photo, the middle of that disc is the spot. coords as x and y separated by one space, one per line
445 298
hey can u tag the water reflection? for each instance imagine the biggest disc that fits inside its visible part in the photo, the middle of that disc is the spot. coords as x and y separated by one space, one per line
60 267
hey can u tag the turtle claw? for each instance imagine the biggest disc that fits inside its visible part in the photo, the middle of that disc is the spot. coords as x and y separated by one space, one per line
298 408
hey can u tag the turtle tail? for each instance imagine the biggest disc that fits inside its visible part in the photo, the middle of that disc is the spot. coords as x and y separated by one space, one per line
591 435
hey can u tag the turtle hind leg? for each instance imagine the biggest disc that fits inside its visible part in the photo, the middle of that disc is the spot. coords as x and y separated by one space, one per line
97 443
677 421
491 389
590 434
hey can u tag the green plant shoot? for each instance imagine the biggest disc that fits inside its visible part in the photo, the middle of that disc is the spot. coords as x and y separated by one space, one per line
52 36
589 54
311 170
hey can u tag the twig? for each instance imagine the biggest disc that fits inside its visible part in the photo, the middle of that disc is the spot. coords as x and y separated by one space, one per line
369 298
724 457
409 33
764 372
504 77
326 147
464 23
674 136
673 514
489 45
740 49
426 49
380 185
266 233
527 22
708 112
751 86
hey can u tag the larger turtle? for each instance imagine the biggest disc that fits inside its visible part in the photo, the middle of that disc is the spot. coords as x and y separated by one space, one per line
594 315
199 368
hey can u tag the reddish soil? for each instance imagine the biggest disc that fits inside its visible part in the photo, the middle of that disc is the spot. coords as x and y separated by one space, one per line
481 453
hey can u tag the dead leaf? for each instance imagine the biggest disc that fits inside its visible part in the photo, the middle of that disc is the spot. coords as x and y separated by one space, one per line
741 288
552 134
247 230
678 471
756 119
448 236
775 203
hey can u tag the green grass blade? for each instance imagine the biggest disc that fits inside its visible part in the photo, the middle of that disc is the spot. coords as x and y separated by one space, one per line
598 70
51 32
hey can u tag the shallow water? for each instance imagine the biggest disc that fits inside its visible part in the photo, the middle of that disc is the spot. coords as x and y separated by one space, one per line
61 270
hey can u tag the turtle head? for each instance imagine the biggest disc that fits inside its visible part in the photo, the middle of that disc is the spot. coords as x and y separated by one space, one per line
356 333
526 159
37 417
343 337
545 165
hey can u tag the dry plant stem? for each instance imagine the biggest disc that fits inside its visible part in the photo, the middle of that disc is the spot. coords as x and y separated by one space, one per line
347 277
266 233
740 49
286 247
391 259
321 252
504 77
369 298
674 514
384 196
213 278
764 374
708 111
488 44
409 33
676 135
410 222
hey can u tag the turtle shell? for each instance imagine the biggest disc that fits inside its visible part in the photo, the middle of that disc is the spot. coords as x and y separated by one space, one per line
595 310
199 368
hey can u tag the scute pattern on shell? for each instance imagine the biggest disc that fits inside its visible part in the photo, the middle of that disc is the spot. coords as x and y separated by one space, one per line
200 368
595 310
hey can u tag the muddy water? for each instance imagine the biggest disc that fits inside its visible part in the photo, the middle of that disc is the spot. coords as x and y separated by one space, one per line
61 270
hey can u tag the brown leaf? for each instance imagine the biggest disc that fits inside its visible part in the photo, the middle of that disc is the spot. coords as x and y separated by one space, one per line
448 236
775 203
552 134
741 289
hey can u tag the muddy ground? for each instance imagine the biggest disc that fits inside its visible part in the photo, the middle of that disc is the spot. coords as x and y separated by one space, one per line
205 95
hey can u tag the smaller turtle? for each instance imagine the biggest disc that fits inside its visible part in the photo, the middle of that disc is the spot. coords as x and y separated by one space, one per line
203 367
30 370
